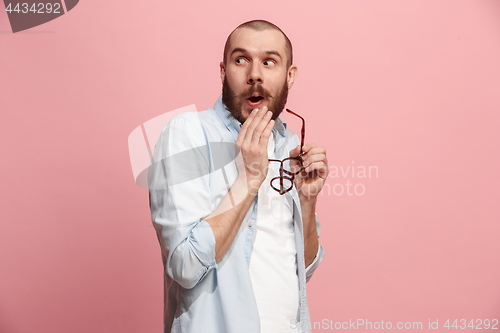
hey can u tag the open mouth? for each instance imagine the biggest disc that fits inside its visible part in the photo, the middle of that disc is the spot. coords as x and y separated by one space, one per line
255 99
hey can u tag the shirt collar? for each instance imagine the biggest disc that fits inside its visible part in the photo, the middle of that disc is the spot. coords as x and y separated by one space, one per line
234 125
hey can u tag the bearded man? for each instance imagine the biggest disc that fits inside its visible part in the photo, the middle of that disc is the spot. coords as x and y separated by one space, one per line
237 251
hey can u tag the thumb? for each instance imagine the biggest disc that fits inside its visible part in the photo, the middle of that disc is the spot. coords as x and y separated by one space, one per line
295 152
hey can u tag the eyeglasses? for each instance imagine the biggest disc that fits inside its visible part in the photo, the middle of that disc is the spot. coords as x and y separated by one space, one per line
290 175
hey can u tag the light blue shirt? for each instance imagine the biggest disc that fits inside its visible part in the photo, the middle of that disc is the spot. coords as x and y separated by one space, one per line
192 169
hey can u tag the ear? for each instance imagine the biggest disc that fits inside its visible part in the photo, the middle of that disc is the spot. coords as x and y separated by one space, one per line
222 72
291 75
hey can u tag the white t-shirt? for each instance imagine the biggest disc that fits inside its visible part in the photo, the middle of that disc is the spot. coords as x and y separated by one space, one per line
273 264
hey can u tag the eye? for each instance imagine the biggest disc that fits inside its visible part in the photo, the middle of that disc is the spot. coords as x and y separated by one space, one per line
240 61
269 62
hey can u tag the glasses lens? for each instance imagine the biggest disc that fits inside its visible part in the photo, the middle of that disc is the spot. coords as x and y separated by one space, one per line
287 184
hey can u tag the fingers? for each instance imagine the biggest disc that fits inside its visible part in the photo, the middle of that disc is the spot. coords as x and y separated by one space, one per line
295 152
244 127
311 146
264 139
258 125
253 130
308 149
315 162
295 164
314 158
257 136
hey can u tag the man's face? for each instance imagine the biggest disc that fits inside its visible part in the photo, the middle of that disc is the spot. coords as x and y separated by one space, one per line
256 74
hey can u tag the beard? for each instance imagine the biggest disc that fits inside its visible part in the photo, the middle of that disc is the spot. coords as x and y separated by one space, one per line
235 103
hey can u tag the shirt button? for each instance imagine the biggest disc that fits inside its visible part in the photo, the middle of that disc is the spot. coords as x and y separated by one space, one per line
250 223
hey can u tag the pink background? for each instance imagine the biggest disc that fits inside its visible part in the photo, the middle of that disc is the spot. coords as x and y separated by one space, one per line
411 87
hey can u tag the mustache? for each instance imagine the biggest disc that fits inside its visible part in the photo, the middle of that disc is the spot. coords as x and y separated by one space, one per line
256 88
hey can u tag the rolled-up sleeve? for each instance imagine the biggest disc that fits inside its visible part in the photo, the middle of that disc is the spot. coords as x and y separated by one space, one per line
319 255
194 257
179 190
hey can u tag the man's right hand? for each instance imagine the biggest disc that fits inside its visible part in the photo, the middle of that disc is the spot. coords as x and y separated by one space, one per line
252 161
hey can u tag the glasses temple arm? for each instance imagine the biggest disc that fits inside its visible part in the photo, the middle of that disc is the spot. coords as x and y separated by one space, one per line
302 132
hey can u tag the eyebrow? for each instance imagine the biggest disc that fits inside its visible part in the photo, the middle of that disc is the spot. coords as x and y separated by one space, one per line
272 52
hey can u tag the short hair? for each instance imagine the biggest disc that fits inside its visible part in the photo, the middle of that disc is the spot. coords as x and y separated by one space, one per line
260 25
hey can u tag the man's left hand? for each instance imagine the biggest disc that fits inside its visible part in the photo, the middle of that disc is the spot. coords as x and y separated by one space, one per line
312 178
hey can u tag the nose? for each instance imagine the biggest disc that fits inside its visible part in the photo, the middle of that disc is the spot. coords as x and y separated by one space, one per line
255 74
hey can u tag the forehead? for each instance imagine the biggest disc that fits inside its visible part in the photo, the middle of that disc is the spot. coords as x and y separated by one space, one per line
257 41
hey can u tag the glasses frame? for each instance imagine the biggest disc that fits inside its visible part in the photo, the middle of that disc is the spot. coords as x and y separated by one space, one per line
290 175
